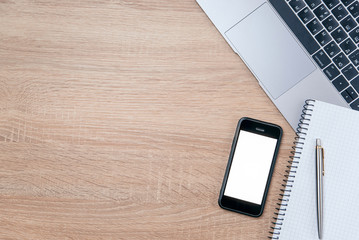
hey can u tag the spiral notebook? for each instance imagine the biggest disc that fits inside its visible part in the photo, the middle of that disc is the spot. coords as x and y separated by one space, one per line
296 216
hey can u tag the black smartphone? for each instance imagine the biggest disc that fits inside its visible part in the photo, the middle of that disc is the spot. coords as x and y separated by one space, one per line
250 167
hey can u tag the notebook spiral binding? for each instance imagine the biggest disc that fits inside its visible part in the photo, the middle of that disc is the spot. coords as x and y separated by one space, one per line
289 175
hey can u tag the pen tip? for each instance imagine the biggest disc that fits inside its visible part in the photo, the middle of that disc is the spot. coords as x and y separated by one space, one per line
318 141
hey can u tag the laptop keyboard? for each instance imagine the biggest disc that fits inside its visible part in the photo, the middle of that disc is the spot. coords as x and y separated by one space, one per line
333 44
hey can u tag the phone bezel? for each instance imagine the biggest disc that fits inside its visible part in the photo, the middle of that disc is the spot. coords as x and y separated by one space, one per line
266 129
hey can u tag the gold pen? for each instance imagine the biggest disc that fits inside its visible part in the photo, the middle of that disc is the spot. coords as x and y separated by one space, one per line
320 173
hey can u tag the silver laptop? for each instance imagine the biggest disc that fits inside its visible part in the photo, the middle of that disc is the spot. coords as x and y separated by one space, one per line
296 49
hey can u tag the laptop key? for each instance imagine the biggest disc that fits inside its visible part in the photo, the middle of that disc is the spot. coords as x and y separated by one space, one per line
332 49
354 57
349 72
314 26
321 12
348 46
347 2
339 34
313 3
351 93
340 83
321 59
340 60
355 105
323 37
354 9
339 12
331 71
355 35
348 23
297 5
330 23
355 83
331 3
346 96
306 15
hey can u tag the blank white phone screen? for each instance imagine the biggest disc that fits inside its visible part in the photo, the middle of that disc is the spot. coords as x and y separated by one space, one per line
250 167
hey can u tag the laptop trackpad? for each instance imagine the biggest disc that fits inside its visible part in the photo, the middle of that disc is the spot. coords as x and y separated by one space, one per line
270 51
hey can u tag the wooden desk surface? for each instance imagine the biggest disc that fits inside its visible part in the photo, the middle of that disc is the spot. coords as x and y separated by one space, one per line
116 121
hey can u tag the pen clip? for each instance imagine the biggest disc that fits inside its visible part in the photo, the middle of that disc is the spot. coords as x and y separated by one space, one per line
323 159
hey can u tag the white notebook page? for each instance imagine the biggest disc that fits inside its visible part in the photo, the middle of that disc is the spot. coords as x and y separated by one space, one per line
338 129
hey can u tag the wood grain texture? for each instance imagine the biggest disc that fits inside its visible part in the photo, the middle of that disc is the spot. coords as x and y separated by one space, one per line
116 121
